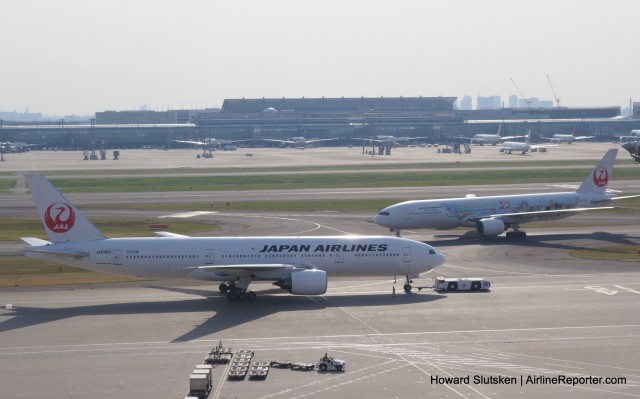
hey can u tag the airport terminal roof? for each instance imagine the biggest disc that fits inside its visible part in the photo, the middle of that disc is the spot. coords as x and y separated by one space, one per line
361 104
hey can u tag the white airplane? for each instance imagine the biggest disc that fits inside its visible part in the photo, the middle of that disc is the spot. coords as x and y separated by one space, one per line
298 264
389 141
210 143
519 146
493 215
567 138
299 142
11 146
492 139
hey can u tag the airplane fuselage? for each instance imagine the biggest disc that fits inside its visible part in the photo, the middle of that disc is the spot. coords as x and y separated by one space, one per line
163 257
492 139
450 213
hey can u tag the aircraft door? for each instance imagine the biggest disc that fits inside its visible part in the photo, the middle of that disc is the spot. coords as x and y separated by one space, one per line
407 213
339 257
406 254
117 257
208 256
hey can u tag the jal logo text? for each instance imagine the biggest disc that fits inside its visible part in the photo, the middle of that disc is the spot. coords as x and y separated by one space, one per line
59 217
600 177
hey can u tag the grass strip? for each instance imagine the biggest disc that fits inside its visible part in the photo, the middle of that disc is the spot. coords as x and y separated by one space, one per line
329 180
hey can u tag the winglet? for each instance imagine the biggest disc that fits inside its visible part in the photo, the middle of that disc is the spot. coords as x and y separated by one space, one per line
597 180
62 221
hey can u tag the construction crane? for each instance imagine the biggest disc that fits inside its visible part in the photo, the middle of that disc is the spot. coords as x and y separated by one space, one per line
527 100
555 96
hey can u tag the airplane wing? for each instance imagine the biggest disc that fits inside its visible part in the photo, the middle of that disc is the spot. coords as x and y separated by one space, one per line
169 234
521 217
190 142
504 138
65 254
280 141
253 270
316 140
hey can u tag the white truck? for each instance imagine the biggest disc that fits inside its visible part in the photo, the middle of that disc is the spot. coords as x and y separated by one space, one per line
461 284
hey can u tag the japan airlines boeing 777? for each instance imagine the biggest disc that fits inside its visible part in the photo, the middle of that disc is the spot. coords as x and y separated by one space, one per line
299 265
493 215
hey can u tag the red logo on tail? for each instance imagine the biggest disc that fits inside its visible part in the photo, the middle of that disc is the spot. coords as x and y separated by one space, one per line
59 217
600 177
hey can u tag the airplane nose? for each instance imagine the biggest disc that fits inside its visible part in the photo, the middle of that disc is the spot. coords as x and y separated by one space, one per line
440 259
382 218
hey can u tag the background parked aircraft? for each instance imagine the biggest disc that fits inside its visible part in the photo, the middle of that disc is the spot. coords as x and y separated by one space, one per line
567 138
520 146
299 142
492 139
493 215
211 143
298 264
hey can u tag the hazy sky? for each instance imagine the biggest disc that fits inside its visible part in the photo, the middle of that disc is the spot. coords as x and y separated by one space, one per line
81 56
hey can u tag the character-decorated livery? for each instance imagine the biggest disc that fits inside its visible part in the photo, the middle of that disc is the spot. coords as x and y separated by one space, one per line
493 215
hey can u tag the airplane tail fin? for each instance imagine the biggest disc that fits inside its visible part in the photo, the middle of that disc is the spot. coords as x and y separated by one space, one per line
597 180
62 221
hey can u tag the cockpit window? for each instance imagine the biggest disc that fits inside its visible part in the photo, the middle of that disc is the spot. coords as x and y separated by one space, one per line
384 213
432 252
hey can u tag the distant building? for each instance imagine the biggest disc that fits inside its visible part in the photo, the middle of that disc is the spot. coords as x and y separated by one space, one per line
513 101
21 116
150 117
466 103
492 102
534 102
636 110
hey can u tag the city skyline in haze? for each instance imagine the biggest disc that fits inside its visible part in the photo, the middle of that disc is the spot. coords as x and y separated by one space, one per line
77 57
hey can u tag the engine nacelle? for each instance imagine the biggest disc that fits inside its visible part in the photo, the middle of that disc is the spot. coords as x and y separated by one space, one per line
490 227
305 282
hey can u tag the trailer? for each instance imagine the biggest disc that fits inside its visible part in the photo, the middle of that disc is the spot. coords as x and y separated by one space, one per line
461 284
281 364
199 385
302 366
259 371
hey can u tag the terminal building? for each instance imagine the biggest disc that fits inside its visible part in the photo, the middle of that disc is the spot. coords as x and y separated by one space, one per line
436 118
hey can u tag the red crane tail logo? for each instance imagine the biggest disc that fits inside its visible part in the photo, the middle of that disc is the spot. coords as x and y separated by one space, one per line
59 217
600 177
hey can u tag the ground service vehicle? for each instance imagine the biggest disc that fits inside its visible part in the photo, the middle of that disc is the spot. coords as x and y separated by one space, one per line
330 364
461 284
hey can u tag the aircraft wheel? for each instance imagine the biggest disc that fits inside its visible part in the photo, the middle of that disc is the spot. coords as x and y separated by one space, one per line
251 296
242 296
223 288
231 296
407 287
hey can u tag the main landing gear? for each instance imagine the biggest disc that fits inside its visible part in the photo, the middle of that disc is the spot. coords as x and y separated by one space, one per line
516 234
237 294
407 285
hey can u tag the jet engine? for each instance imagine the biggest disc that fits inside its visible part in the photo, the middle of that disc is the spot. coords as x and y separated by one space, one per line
490 227
305 282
